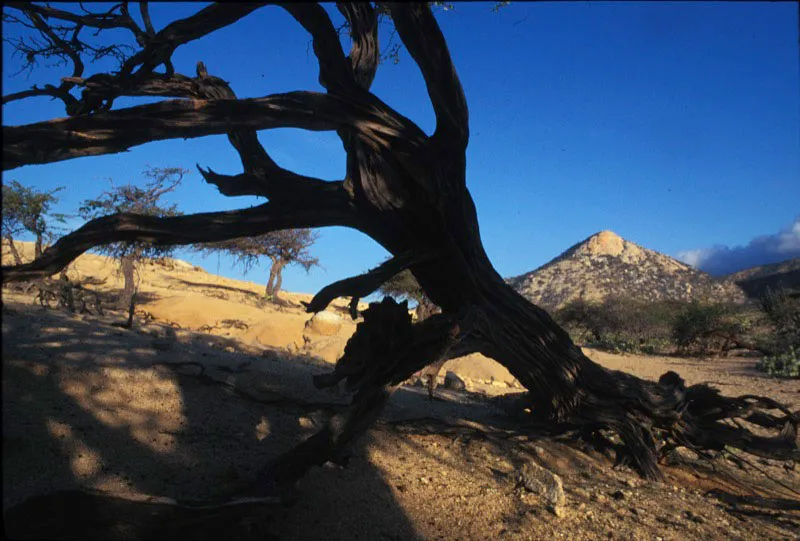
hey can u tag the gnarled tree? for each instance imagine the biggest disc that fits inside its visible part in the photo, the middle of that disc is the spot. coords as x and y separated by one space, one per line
405 189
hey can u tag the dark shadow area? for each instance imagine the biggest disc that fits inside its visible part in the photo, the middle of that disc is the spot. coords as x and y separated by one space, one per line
85 406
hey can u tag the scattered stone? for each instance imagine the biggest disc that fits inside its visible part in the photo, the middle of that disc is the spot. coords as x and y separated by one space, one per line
620 495
306 423
453 382
541 481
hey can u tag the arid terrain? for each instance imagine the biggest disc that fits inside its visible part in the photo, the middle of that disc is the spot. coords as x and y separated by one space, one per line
210 382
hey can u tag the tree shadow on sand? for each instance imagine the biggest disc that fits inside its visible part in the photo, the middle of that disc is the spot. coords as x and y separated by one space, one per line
98 439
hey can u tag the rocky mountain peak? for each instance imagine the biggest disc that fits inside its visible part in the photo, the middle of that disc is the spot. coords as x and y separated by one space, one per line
605 264
604 243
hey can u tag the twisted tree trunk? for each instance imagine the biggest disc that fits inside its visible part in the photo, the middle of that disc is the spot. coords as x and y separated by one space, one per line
14 252
275 278
127 268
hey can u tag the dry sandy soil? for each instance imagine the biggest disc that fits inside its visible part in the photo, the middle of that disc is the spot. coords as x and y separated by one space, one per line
209 384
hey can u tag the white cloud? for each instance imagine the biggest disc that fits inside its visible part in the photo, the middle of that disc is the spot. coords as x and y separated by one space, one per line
762 250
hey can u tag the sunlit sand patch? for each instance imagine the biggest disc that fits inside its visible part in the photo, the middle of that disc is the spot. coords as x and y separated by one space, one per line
84 461
146 402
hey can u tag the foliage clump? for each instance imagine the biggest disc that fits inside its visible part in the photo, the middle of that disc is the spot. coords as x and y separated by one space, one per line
621 324
782 365
706 328
129 198
28 210
285 247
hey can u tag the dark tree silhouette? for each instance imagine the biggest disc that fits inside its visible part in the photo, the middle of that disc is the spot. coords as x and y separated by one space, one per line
144 202
286 247
404 188
28 209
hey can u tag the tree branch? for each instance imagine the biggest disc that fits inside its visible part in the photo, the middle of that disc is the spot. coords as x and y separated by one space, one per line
426 44
93 20
178 230
117 131
334 73
144 9
364 52
262 176
60 48
362 285
161 46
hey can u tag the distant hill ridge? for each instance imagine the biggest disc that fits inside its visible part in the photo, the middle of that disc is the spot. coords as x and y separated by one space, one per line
605 265
756 280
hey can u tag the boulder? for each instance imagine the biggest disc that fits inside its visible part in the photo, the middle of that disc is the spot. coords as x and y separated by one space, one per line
324 323
453 382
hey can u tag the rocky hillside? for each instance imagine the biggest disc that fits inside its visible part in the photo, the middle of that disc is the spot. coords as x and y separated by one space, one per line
606 264
756 280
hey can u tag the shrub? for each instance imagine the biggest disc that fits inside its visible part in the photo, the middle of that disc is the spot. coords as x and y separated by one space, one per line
783 365
706 328
621 324
783 313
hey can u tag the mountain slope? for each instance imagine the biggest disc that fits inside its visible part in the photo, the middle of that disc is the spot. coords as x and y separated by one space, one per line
756 280
607 265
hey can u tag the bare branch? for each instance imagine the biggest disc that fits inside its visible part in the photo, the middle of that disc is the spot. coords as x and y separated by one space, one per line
148 24
92 20
161 46
116 131
47 90
262 176
426 44
362 285
177 230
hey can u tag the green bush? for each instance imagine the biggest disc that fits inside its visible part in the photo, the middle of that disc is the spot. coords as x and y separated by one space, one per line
621 324
703 329
783 314
783 365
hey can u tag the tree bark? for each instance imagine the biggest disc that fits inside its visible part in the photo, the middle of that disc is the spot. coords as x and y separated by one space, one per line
37 247
127 264
275 278
14 252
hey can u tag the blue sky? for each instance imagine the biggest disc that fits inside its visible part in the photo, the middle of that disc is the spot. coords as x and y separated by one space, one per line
676 125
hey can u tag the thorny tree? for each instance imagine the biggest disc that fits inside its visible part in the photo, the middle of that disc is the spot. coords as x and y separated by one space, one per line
28 209
404 188
129 198
286 247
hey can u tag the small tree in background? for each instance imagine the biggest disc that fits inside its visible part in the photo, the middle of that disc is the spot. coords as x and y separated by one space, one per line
783 313
133 199
705 328
28 209
287 247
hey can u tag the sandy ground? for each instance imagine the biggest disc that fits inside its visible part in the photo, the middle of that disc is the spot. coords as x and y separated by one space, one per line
87 404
